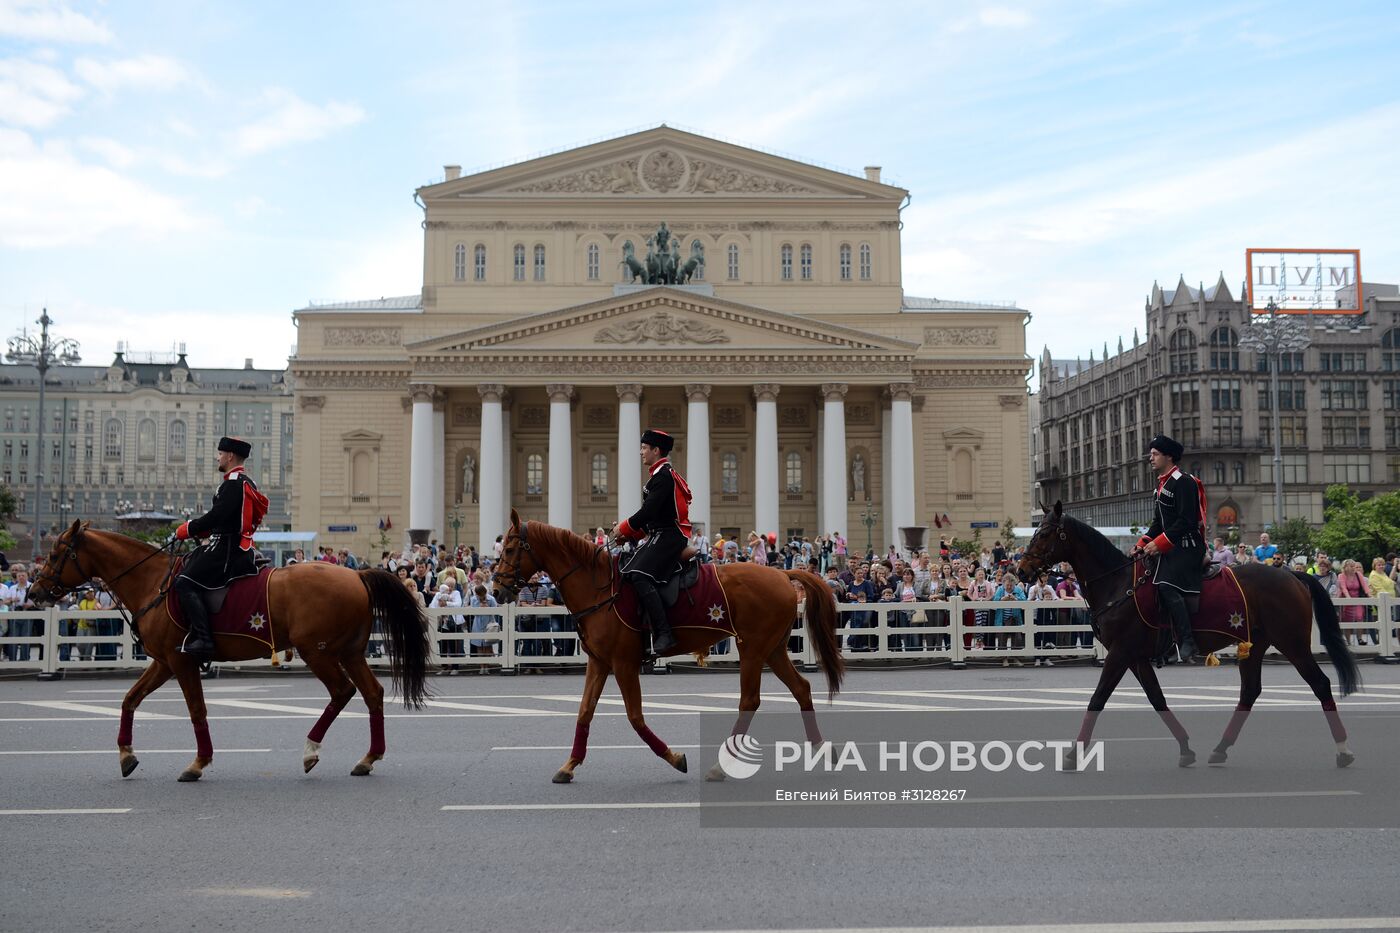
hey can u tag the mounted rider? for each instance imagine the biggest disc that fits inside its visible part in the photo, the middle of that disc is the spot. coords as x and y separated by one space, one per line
664 520
237 511
1176 537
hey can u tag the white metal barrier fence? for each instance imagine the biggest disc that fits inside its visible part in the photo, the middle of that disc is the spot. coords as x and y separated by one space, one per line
510 638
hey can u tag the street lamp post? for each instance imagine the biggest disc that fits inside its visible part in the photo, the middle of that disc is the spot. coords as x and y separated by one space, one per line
41 353
1273 336
456 522
868 518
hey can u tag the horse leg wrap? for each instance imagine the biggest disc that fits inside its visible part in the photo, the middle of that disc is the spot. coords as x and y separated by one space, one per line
204 746
318 731
376 732
653 743
1177 729
1334 722
124 731
580 742
1086 729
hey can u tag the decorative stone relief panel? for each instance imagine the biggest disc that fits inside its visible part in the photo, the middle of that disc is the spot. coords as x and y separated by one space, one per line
793 416
534 416
729 416
960 336
665 416
466 416
860 413
363 337
598 416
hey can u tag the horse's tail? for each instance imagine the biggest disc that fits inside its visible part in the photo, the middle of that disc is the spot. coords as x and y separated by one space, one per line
1330 632
821 627
406 629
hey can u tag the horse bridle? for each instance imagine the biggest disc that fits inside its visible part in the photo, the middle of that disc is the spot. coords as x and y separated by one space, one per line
1137 580
523 544
50 579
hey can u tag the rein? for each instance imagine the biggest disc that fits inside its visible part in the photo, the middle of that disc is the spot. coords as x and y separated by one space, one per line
52 583
524 545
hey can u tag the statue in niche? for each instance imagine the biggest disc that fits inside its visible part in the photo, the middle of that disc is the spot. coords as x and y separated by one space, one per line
858 477
469 479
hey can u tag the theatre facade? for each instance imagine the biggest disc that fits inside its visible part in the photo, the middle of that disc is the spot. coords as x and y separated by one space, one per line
748 304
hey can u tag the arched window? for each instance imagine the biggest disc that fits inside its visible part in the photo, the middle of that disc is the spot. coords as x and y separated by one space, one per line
112 439
845 262
806 262
786 262
600 474
1390 350
962 472
695 247
359 473
733 252
865 262
479 262
175 444
594 262
459 262
1224 348
794 472
1237 473
534 475
729 474
1183 351
519 272
1217 472
146 439
539 263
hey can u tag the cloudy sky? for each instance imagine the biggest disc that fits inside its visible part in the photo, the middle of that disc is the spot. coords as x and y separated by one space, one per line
192 171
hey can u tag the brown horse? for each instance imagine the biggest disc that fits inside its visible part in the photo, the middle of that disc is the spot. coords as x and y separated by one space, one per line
324 611
1281 604
762 604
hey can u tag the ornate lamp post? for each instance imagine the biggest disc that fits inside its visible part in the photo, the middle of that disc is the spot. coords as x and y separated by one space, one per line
868 518
41 353
455 520
1273 336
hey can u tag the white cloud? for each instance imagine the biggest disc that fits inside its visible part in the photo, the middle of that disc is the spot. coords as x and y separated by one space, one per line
115 154
48 198
33 94
292 120
43 20
998 17
156 72
389 265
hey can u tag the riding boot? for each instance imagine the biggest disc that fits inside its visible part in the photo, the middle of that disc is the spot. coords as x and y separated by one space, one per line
662 638
199 642
1175 604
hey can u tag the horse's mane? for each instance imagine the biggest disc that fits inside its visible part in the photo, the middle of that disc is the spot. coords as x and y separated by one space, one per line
117 537
1100 548
561 538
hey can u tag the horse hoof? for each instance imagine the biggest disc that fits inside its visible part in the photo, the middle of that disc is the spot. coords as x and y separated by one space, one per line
189 775
129 764
562 777
361 769
308 763
715 774
1217 758
680 765
1344 759
1186 760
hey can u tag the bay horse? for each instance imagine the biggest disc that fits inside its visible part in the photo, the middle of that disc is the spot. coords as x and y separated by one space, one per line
762 606
1281 606
323 610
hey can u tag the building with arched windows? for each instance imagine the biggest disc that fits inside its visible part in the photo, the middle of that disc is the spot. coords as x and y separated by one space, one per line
1338 412
807 392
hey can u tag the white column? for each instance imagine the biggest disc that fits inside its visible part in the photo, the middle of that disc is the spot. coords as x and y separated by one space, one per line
765 460
561 456
886 487
697 457
439 465
420 469
817 476
629 439
507 483
491 491
902 509
834 460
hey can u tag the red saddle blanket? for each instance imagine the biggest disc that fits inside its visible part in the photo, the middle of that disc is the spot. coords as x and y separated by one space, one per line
704 605
245 611
1223 608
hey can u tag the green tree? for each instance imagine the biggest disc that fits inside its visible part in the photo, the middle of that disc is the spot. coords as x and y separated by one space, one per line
1357 529
1293 536
8 505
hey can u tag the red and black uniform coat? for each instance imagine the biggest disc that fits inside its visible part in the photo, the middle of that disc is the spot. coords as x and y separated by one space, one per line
229 525
1178 528
664 520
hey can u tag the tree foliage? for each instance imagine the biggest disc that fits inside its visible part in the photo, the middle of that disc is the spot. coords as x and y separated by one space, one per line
1359 529
1293 536
8 506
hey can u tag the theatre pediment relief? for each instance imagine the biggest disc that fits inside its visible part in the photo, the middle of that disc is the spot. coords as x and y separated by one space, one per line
665 171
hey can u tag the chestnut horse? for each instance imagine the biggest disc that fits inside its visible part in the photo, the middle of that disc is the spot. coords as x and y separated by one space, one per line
1281 607
324 611
762 606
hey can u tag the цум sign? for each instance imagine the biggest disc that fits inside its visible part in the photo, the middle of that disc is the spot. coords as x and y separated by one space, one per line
1299 281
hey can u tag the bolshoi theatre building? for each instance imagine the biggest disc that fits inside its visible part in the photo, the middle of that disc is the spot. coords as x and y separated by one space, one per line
750 305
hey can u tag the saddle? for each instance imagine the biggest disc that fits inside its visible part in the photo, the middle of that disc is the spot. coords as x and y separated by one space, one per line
240 608
684 577
1219 609
693 598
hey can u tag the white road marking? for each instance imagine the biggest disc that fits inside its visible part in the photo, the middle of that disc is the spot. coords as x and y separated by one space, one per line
68 706
269 893
648 705
89 811
485 708
591 748
277 707
144 751
1281 925
853 705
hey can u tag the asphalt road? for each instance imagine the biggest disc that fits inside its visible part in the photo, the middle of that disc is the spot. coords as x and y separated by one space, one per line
257 844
